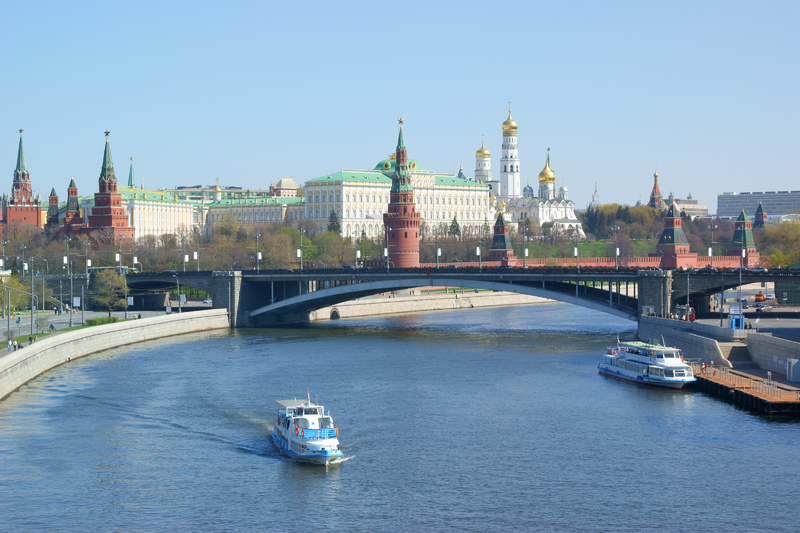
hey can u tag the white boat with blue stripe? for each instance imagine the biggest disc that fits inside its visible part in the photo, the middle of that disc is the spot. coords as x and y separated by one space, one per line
304 432
646 364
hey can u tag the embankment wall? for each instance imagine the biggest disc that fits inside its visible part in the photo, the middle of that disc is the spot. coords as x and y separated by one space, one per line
770 353
678 334
412 304
17 368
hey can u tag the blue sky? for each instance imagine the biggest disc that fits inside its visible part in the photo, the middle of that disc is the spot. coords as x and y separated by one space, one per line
248 92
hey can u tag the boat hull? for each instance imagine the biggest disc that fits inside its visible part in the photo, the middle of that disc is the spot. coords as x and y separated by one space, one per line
672 385
320 458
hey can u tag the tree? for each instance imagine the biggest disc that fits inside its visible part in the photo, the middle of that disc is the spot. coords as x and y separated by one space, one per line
111 289
455 229
334 226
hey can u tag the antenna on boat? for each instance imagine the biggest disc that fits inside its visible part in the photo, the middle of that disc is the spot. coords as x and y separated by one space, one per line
663 342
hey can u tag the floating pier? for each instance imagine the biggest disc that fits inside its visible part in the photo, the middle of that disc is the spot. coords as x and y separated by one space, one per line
763 396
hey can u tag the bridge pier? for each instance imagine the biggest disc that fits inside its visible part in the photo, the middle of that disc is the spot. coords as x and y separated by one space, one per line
655 290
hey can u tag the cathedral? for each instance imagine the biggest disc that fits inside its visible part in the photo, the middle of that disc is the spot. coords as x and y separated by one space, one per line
516 206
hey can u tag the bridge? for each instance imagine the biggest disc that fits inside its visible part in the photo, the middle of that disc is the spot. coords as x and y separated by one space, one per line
263 298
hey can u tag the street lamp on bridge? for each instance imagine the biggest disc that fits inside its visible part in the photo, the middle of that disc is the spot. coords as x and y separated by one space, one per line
615 228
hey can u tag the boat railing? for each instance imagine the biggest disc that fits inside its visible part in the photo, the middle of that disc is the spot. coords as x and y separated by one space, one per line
327 433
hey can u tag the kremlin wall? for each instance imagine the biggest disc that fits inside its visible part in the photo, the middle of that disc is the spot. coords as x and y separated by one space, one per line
387 204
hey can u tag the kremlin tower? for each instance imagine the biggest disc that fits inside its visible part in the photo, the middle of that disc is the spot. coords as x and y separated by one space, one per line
402 221
22 207
108 212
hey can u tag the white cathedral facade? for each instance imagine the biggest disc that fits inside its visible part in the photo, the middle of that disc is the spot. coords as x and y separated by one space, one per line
518 205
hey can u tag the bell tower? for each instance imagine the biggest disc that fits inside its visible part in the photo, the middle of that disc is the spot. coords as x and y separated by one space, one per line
509 162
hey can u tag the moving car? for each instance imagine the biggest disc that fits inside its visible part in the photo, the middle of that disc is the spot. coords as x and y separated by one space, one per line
207 300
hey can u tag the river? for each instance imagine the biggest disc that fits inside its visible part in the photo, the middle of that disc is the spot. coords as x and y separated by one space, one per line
480 420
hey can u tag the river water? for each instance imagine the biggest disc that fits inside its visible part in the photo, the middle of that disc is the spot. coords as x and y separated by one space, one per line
481 420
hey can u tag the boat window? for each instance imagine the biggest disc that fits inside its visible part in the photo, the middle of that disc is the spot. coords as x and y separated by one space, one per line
660 355
668 373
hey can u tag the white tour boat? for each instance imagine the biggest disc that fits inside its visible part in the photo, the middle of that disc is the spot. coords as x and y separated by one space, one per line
646 364
304 432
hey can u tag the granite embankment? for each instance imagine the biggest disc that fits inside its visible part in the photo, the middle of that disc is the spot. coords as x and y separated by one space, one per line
19 367
414 303
680 335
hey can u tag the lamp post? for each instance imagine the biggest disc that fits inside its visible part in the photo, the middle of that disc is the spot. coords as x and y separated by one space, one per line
22 249
712 227
183 249
615 228
197 252
25 267
524 246
178 281
300 258
258 254
438 250
86 261
386 248
69 272
4 251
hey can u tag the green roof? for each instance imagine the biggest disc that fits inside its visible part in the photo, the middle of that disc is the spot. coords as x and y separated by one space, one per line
21 166
152 196
267 200
387 165
131 180
372 176
107 172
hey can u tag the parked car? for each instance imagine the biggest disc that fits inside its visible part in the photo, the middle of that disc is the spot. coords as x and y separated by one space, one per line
760 308
759 269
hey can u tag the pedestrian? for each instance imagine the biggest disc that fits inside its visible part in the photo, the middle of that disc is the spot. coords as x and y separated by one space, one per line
15 345
30 340
9 345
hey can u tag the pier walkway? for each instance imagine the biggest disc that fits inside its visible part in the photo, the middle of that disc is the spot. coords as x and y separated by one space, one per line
760 394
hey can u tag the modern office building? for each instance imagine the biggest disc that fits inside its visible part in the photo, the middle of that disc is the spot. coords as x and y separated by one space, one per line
776 203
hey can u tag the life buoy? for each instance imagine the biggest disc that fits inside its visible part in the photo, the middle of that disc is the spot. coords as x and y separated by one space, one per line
337 431
296 430
302 432
278 422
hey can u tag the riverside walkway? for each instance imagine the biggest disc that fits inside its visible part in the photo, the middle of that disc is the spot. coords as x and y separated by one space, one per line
763 395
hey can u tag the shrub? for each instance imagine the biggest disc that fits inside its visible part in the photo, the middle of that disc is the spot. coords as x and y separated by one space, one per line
101 320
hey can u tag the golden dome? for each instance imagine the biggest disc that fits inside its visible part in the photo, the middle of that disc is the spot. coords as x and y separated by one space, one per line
655 175
547 175
393 155
510 124
494 199
482 152
217 189
502 205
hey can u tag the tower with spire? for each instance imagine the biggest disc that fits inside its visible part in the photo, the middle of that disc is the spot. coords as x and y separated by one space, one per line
761 217
656 198
108 212
401 219
131 179
52 209
22 207
509 162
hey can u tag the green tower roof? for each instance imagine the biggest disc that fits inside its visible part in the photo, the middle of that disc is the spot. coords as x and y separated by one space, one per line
131 180
72 184
107 172
21 166
742 234
53 193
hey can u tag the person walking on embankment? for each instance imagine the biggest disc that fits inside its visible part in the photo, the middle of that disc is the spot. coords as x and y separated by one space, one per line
9 345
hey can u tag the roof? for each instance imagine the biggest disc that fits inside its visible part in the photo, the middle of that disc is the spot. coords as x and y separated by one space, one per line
21 166
289 404
152 196
107 171
266 200
372 176
287 183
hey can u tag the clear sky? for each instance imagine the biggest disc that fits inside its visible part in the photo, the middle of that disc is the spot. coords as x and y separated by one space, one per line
248 92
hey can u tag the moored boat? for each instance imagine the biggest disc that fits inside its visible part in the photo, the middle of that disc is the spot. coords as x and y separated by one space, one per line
303 431
646 364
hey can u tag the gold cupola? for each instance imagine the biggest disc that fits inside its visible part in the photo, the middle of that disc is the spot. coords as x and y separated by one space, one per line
510 125
547 175
483 151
